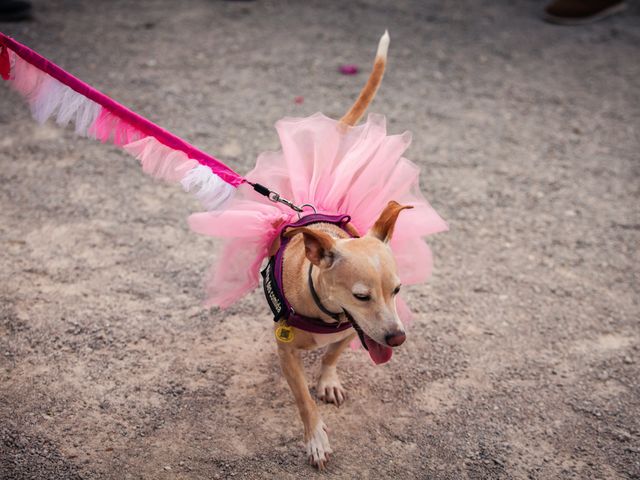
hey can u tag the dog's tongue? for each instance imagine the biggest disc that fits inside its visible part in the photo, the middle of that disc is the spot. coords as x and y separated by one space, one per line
378 353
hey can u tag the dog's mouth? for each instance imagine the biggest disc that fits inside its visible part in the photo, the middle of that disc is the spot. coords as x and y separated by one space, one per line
378 353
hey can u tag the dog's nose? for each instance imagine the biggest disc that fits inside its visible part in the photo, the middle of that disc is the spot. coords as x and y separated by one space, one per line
395 339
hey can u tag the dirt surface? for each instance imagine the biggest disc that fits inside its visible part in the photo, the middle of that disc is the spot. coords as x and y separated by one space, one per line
523 359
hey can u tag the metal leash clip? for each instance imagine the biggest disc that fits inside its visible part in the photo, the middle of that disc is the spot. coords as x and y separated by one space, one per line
276 198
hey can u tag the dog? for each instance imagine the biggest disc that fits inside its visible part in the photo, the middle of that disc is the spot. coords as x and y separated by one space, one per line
333 275
324 282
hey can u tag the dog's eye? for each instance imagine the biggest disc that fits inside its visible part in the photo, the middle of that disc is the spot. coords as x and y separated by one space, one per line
396 290
363 297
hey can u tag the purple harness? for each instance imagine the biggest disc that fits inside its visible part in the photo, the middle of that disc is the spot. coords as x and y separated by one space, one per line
272 281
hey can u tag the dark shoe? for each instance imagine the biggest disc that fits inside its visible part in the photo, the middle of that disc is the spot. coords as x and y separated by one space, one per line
580 12
14 10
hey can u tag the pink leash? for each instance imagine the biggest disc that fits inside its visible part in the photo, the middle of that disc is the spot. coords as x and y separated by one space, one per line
131 118
138 121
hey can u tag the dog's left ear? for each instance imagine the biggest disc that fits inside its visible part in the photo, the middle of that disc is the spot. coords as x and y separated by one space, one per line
318 246
383 228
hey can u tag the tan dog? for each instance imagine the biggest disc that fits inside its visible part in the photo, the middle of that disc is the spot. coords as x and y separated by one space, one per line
354 275
354 279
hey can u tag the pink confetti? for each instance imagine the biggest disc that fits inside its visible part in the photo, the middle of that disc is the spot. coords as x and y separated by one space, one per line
349 69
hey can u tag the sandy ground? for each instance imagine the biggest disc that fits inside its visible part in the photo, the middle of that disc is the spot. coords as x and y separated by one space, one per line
523 360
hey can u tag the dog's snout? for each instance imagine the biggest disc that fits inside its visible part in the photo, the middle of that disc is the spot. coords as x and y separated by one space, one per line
395 339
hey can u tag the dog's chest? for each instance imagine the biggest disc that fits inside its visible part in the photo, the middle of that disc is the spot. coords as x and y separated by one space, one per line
323 339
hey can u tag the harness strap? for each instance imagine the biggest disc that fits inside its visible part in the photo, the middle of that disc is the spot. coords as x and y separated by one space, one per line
316 298
272 282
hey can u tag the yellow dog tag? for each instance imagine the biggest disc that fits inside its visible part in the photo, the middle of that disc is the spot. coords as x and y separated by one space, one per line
284 333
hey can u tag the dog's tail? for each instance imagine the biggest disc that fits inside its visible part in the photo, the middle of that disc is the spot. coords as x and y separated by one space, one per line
369 91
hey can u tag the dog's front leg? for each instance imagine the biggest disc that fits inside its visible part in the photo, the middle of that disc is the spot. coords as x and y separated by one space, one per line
329 388
315 436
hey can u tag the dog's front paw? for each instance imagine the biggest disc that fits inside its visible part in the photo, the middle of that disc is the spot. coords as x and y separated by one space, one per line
317 445
329 388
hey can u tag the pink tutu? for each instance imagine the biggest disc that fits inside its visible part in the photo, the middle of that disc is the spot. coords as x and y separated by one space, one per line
354 171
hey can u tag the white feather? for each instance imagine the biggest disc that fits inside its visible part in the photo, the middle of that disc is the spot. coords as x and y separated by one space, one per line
49 96
160 161
56 99
207 187
86 115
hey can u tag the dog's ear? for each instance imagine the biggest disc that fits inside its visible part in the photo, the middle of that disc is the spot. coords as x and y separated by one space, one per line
383 228
318 246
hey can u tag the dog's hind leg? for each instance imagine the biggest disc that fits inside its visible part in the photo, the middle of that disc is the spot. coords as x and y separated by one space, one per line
315 436
329 388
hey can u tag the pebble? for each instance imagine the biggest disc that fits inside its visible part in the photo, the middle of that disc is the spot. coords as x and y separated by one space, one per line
231 149
348 69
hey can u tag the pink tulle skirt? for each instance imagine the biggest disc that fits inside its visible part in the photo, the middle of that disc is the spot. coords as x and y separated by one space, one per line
354 171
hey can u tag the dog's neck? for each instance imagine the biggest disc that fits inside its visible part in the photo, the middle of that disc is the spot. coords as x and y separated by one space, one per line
296 279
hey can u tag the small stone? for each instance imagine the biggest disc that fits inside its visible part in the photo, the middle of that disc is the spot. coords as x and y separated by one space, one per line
348 69
624 436
628 360
231 149
167 467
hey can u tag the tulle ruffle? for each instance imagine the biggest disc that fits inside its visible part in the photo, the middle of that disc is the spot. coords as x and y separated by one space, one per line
354 171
